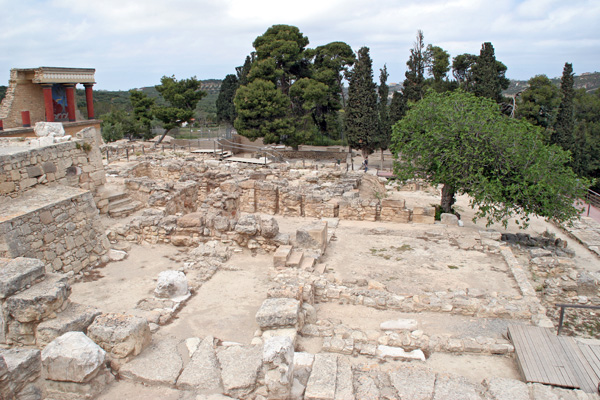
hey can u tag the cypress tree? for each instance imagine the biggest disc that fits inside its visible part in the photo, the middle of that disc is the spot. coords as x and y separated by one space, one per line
361 113
488 74
415 75
384 131
563 130
225 107
397 107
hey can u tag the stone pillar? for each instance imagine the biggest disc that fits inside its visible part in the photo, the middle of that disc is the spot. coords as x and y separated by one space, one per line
48 105
1 125
70 88
89 99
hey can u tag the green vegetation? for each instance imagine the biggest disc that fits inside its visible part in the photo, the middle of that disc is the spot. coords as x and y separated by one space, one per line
502 163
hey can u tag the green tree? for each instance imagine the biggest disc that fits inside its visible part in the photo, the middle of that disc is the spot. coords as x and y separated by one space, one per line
143 111
262 111
415 75
118 124
398 107
384 128
225 106
563 130
586 151
182 97
488 74
243 71
361 112
539 102
465 143
462 70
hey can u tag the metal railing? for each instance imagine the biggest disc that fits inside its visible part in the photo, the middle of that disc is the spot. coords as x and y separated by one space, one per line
592 199
562 312
271 153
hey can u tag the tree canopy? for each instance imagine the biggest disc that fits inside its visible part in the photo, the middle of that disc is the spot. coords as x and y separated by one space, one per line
539 102
465 143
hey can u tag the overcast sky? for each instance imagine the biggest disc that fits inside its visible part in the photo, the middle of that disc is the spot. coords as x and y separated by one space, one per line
133 43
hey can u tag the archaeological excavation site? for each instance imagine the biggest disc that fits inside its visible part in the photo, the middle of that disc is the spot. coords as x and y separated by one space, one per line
190 271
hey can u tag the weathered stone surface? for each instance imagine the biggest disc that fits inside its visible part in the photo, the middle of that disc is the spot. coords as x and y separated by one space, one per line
202 372
303 363
213 249
282 254
23 366
17 273
192 220
447 387
278 361
61 390
366 388
213 397
321 385
449 219
247 225
76 317
171 285
312 237
119 334
39 301
344 387
278 313
159 364
398 353
412 383
506 389
52 129
117 255
239 368
399 325
269 228
542 392
72 357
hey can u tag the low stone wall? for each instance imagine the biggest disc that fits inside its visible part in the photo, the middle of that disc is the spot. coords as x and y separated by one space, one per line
315 155
59 225
76 163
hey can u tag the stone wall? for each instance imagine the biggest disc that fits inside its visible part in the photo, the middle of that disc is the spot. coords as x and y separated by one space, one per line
26 96
76 163
59 225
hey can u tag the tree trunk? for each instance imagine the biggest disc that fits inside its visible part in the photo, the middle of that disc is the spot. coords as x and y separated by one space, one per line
161 138
382 159
448 198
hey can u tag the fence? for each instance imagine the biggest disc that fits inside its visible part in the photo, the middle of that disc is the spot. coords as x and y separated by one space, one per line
593 200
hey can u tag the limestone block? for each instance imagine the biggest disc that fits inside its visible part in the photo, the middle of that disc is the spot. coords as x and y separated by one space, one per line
202 372
214 249
281 256
366 388
303 363
269 228
344 386
120 335
447 386
506 389
449 219
312 237
278 360
160 364
398 353
22 367
240 366
172 285
39 301
247 225
423 219
192 220
72 357
399 325
76 317
413 383
17 273
320 385
392 203
49 129
117 255
430 211
278 313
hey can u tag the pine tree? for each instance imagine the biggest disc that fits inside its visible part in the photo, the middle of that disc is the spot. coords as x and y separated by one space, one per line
488 74
384 131
361 113
397 107
563 130
415 75
225 107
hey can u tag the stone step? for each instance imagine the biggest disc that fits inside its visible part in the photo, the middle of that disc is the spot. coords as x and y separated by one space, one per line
40 300
118 203
116 195
281 256
320 384
308 264
202 372
295 259
125 210
76 317
160 364
16 274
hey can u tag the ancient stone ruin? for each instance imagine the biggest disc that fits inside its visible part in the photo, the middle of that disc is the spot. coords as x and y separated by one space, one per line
290 280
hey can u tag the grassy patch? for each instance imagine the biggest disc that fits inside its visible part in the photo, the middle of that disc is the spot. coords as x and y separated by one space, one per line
452 267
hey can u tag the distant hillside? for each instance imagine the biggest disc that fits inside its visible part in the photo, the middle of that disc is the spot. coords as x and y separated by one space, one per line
590 81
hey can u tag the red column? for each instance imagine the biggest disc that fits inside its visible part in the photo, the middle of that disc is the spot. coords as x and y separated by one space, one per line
89 99
70 88
48 103
26 119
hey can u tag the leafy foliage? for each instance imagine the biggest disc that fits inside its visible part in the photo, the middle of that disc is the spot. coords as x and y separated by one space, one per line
488 74
465 143
225 106
538 103
415 75
118 124
361 112
586 152
563 130
143 111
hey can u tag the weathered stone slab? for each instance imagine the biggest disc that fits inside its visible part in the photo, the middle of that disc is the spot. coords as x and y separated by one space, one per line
239 368
447 387
119 334
303 366
171 285
398 353
506 389
366 388
76 317
39 301
278 362
72 357
202 372
399 325
412 383
276 313
344 387
281 256
17 273
320 385
62 390
449 219
159 364
312 237
22 367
